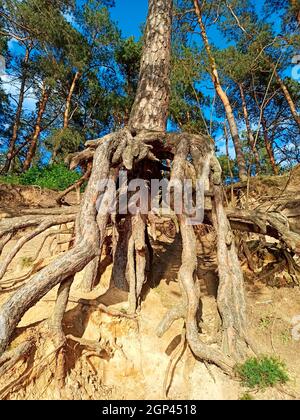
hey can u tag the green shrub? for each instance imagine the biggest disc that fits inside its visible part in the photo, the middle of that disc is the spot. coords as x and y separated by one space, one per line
9 179
54 177
246 397
262 372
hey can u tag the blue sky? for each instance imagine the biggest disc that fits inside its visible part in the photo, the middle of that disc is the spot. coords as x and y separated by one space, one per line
130 14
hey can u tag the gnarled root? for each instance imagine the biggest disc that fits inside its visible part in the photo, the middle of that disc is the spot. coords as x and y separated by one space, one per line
137 249
177 354
201 159
57 328
231 295
10 358
90 236
130 258
186 277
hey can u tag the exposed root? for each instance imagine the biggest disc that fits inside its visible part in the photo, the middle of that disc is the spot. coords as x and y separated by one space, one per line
123 149
57 328
231 297
101 349
89 240
186 277
174 359
47 236
178 312
76 159
273 224
136 261
6 238
37 368
47 224
9 359
31 220
90 275
105 309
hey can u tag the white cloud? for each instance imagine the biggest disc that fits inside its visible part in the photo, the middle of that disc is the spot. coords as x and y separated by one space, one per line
12 87
221 144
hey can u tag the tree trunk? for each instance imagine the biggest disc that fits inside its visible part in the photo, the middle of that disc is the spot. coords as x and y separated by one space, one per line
37 129
287 95
149 113
251 139
223 96
227 151
66 113
150 108
69 98
296 7
16 126
269 146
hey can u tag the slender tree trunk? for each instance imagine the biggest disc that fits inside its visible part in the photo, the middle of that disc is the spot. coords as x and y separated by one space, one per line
16 126
272 65
296 6
223 96
287 96
251 139
66 113
269 147
37 129
69 98
227 152
150 108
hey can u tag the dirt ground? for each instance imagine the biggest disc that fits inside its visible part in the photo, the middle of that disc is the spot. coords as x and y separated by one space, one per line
135 361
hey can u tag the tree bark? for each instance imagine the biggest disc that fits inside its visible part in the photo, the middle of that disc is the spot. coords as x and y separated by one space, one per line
150 108
37 129
223 96
16 126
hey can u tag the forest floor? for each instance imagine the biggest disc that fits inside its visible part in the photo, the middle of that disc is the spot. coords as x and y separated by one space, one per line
135 362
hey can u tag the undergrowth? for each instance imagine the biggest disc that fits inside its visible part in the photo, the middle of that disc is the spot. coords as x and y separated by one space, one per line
262 372
54 177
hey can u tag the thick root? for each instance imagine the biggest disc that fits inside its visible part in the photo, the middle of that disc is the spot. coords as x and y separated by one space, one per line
9 359
57 328
186 277
90 236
